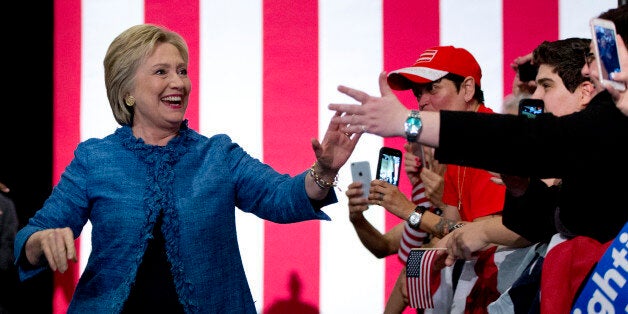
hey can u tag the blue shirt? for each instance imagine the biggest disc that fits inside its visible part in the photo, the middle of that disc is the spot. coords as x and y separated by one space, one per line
120 184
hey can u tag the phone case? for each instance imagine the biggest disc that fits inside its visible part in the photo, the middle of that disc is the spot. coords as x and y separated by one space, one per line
606 53
361 171
389 165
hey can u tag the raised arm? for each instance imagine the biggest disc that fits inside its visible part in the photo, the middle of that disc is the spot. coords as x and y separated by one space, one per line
383 116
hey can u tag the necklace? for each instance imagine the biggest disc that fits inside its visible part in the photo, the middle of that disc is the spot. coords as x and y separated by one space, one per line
474 108
461 185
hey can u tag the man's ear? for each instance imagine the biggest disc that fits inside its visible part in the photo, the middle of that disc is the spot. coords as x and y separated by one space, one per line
468 86
587 92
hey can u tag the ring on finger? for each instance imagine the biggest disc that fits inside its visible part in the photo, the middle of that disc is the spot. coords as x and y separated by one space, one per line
363 128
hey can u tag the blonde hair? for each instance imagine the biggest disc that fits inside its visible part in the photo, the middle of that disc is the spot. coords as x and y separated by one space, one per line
125 54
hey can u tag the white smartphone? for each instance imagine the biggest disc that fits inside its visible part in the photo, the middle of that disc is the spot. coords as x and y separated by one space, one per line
361 171
606 53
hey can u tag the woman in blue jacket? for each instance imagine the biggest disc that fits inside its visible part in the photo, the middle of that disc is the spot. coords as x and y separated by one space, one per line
161 197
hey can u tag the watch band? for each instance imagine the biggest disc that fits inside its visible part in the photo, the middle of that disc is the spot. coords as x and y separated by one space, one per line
421 209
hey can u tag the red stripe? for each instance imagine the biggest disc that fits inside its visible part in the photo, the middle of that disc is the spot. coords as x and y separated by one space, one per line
425 298
290 120
409 28
524 28
66 118
419 289
182 17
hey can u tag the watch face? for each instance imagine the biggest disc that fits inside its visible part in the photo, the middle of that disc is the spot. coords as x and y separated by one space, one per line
413 124
414 219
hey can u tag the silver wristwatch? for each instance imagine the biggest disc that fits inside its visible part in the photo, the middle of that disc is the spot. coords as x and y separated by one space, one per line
413 125
415 220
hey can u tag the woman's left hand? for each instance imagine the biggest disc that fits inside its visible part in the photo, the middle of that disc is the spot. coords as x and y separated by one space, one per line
335 149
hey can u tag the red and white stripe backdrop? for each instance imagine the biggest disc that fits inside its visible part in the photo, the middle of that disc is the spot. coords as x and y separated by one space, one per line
263 72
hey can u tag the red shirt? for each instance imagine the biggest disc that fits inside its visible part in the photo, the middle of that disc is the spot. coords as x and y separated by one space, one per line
472 189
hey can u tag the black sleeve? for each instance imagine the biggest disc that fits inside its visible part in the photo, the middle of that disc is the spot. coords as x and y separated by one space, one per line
532 214
511 144
8 229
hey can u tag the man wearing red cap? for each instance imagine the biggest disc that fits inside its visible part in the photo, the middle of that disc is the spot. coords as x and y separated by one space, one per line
442 78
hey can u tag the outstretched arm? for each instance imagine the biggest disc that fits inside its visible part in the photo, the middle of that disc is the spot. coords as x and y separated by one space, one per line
475 236
383 116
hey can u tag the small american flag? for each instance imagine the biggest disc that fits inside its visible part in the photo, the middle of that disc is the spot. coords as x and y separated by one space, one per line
418 270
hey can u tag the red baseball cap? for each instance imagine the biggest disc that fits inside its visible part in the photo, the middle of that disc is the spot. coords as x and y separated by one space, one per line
433 64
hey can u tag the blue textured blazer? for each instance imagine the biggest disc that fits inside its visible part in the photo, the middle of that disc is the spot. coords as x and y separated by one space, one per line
120 185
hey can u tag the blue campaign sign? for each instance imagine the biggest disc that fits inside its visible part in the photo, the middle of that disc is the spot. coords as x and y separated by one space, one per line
606 291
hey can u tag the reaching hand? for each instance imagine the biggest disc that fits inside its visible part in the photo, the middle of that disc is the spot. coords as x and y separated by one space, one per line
465 242
336 147
383 116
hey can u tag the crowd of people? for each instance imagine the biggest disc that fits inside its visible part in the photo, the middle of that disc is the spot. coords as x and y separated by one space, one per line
506 144
483 183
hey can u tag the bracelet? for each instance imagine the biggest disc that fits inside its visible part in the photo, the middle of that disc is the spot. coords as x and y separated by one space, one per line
320 181
456 226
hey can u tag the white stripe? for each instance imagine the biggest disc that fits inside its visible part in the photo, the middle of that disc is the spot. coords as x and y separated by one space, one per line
575 15
101 22
477 27
352 279
230 93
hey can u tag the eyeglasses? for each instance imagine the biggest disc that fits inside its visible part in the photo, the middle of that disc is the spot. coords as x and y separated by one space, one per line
589 57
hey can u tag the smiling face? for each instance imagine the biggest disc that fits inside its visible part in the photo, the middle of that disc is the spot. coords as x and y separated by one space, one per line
162 88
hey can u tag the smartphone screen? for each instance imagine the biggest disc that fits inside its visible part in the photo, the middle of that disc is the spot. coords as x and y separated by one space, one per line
361 171
606 53
389 165
531 107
